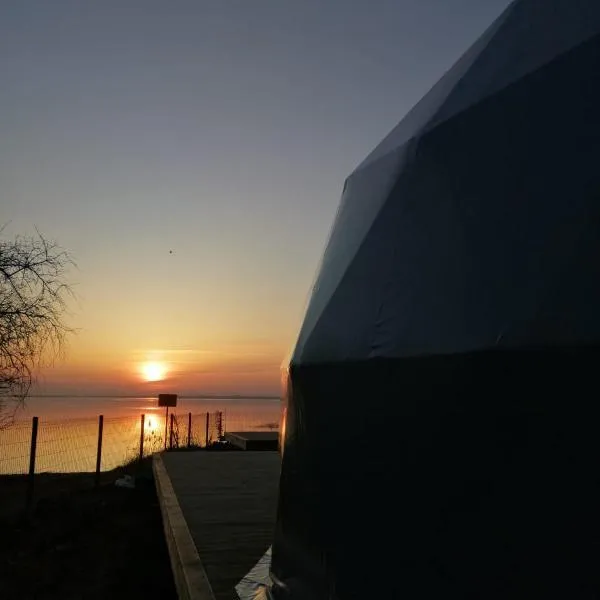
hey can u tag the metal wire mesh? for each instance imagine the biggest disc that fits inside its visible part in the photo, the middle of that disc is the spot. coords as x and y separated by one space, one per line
204 429
121 441
70 445
154 434
66 446
15 441
241 420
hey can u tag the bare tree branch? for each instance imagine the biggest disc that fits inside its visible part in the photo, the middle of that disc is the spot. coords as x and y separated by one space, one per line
33 298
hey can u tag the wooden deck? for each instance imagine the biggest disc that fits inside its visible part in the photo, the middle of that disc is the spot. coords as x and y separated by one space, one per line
229 501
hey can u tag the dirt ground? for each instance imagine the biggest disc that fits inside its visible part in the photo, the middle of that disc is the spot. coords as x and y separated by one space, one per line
83 542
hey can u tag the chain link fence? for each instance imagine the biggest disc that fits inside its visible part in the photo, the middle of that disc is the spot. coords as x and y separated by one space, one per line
102 444
66 446
195 430
240 420
15 441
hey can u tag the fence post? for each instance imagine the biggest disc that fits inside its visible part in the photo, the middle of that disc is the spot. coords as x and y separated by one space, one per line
34 432
99 452
142 423
206 436
219 425
189 429
166 426
171 433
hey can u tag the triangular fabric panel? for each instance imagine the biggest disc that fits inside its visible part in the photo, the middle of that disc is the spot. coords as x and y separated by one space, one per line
426 109
365 192
532 35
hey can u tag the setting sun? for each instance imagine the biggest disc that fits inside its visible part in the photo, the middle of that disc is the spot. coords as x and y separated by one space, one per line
153 371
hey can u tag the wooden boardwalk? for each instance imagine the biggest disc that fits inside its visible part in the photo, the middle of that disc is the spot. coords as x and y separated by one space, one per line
229 501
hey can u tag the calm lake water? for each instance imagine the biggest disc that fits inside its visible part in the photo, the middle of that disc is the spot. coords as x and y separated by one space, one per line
68 428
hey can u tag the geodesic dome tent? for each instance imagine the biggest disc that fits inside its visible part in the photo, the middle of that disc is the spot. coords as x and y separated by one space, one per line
440 418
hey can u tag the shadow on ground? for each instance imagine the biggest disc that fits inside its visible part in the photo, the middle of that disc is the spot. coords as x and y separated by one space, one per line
84 542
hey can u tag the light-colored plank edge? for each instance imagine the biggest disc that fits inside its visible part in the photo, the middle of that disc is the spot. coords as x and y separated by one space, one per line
189 574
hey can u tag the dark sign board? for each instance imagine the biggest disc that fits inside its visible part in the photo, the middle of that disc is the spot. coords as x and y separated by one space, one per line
167 399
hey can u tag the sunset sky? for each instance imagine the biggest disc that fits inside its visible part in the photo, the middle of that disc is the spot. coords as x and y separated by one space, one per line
220 130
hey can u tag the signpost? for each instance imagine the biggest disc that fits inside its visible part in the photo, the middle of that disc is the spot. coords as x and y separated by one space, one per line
167 400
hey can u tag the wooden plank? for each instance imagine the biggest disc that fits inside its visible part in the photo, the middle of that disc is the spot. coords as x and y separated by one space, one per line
188 572
229 501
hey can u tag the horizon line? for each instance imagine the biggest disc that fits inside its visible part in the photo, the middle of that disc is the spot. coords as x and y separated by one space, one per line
182 396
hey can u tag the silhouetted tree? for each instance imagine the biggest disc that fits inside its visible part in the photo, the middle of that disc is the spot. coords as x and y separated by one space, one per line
33 292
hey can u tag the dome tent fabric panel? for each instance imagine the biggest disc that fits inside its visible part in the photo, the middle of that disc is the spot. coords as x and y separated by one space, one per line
363 197
441 412
463 476
426 109
515 134
524 38
473 240
532 35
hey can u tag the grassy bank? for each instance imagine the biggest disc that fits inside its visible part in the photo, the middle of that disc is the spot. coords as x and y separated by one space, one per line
81 541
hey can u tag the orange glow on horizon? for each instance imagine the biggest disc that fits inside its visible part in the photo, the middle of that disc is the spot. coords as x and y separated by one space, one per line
154 371
239 369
